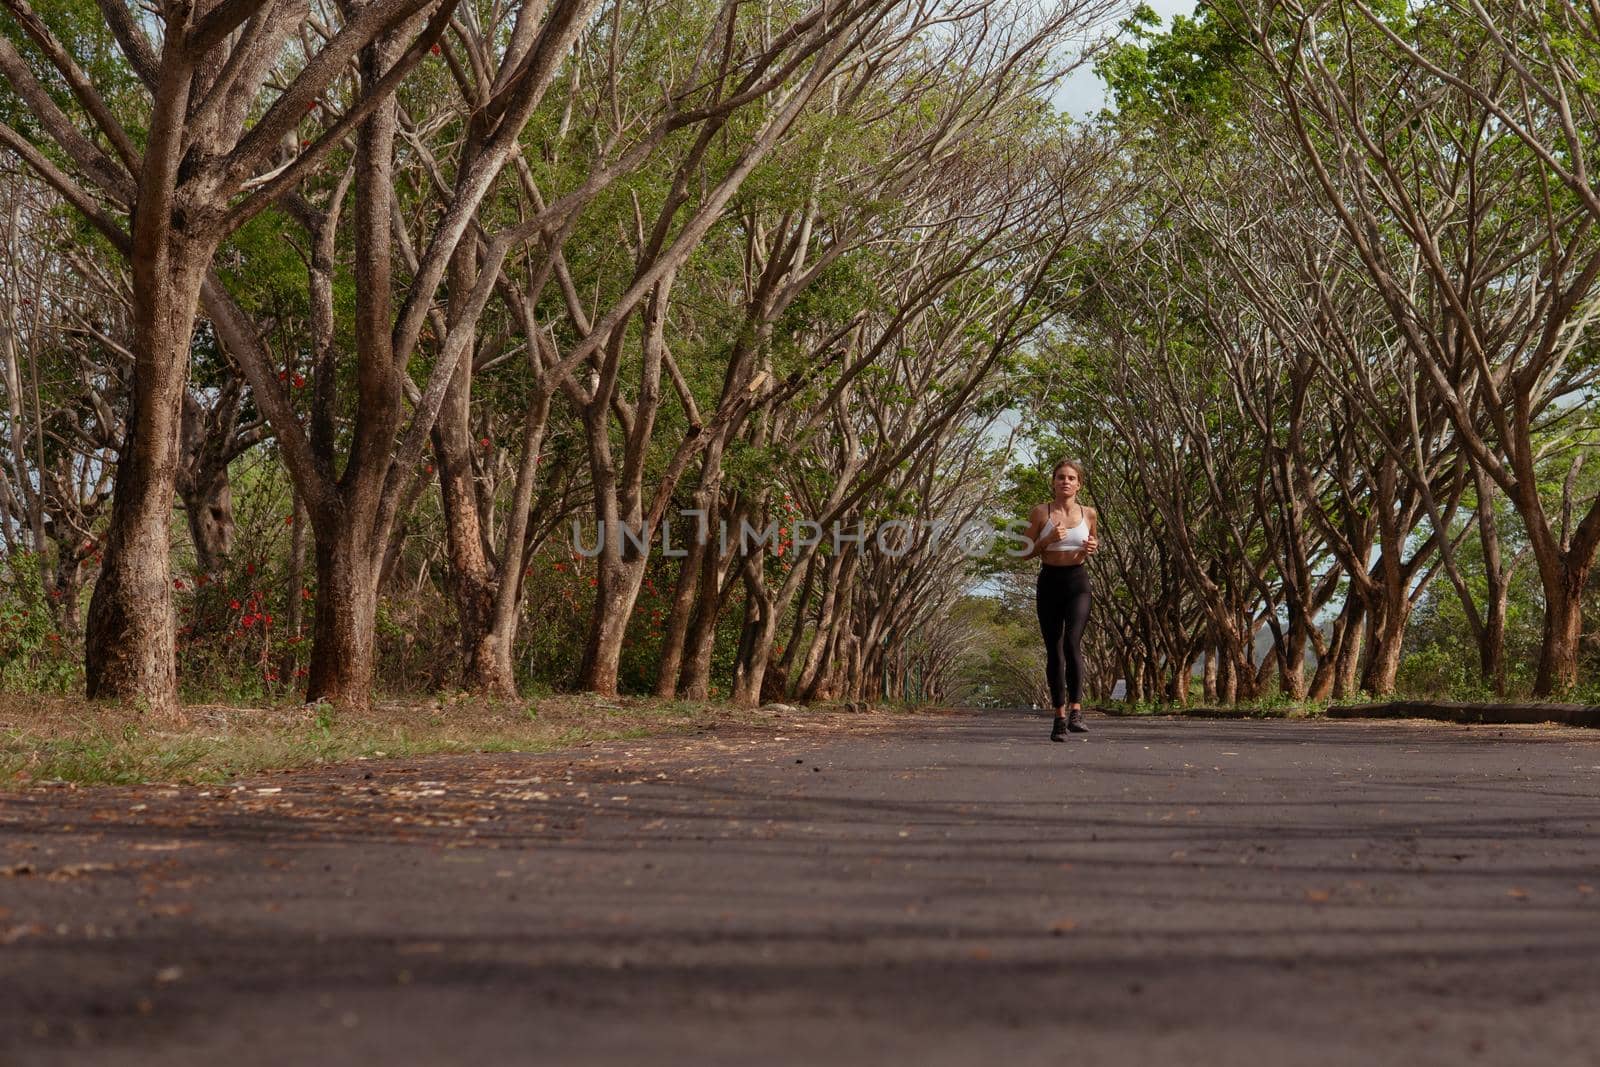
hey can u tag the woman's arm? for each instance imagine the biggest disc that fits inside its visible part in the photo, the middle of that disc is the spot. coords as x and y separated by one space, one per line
1093 544
1035 524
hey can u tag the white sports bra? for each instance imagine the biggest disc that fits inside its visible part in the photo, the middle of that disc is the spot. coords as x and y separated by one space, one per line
1072 538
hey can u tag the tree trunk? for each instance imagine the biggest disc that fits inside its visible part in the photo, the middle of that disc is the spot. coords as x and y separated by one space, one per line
791 650
689 581
344 626
66 586
471 575
812 672
294 586
204 488
1348 664
1492 646
755 638
853 667
1492 640
1178 684
351 548
694 682
616 591
1563 627
130 640
753 666
1387 636
1322 680
493 671
1208 675
1227 677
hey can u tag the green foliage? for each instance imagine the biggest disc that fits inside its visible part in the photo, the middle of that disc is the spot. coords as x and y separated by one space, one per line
1189 67
34 657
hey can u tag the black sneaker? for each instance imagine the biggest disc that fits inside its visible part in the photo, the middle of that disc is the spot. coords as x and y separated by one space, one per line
1058 732
1075 721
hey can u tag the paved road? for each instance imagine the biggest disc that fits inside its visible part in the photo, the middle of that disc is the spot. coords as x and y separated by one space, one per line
949 889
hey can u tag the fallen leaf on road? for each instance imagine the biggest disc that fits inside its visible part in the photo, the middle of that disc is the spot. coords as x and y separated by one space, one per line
17 870
1318 896
16 933
1517 894
1586 889
75 870
1063 926
169 974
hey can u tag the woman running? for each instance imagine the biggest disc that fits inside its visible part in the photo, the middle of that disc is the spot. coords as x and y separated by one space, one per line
1062 533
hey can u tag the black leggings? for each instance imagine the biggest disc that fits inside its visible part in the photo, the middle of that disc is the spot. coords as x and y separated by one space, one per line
1063 603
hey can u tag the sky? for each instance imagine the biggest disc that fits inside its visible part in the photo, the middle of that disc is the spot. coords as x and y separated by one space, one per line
1082 94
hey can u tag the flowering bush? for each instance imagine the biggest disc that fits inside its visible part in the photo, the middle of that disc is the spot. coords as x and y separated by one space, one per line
230 636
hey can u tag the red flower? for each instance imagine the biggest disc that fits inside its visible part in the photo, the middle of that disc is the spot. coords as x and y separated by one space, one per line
299 381
434 50
234 604
484 441
177 583
288 520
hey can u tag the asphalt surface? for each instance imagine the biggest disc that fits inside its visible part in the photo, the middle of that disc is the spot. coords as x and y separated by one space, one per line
935 890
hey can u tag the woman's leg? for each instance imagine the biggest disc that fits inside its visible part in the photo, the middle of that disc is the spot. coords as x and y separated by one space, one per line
1076 617
1051 608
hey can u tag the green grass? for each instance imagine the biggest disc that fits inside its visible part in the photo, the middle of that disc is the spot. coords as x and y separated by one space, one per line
99 744
1265 708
